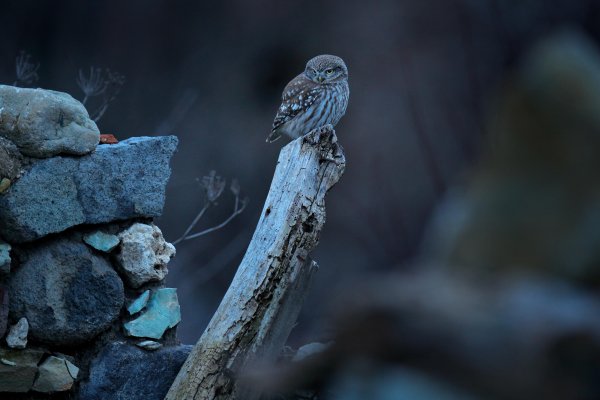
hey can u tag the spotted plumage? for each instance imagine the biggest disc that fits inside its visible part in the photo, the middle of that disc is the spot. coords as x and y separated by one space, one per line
316 97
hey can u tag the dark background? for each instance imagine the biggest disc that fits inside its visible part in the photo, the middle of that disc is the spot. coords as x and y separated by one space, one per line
422 75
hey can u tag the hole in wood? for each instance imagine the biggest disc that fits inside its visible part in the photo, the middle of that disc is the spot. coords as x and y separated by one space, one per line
307 227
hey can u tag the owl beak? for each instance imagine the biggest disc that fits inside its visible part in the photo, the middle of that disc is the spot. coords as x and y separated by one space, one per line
321 78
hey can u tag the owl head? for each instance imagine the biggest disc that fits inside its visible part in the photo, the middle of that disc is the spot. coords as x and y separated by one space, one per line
325 69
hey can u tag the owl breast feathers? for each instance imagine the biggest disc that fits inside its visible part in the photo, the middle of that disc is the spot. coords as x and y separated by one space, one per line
316 97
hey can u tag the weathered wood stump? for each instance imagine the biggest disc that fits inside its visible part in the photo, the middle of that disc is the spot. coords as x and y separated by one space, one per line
262 304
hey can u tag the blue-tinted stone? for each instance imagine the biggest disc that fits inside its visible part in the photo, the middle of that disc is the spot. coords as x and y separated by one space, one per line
162 313
101 241
138 304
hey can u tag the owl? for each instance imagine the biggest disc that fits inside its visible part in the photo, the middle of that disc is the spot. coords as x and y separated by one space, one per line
316 97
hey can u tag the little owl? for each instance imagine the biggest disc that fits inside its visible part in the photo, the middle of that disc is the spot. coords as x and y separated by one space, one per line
316 97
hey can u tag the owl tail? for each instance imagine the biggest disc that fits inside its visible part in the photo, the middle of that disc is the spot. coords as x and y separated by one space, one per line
274 136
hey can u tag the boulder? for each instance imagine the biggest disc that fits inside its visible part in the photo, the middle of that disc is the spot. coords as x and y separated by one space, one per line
44 123
67 293
133 373
116 182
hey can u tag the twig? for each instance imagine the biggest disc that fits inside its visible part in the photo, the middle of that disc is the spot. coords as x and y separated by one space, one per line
236 211
194 222
213 186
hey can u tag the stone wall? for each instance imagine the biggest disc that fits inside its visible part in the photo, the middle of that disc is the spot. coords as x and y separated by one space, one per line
84 313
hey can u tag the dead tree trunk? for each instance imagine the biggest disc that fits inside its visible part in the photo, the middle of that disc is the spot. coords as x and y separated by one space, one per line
260 307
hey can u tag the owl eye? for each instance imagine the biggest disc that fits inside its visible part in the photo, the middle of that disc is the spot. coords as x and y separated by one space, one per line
329 71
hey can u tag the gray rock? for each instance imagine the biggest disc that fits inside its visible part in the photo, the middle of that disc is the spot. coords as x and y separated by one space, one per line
122 371
116 182
101 241
162 312
144 254
55 375
18 369
17 335
67 293
149 345
4 259
10 159
44 123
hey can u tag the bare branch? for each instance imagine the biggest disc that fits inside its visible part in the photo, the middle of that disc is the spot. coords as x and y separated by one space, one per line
213 186
237 210
193 224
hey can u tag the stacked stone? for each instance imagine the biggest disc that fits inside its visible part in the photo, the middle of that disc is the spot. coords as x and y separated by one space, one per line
83 309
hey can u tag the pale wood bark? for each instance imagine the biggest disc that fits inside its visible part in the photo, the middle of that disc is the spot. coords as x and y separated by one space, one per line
260 307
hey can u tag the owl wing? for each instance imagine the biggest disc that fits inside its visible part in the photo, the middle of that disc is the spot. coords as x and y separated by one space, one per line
297 97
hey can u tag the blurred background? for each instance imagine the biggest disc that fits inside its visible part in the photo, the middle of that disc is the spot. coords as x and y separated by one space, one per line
423 76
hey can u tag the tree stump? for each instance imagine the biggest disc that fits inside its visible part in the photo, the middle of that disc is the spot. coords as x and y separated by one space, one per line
264 299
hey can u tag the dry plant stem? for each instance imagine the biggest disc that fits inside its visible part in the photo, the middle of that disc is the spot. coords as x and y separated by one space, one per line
261 305
194 222
237 210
